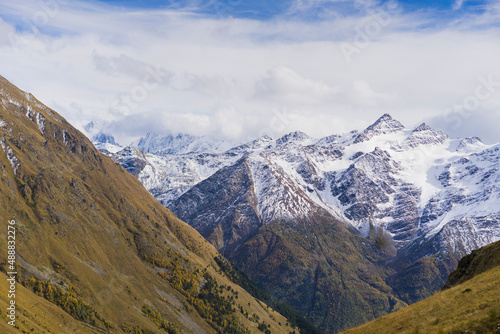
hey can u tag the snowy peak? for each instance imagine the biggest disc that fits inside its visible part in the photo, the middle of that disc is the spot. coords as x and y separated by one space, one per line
329 140
385 124
470 143
255 145
180 144
297 137
422 127
424 135
264 140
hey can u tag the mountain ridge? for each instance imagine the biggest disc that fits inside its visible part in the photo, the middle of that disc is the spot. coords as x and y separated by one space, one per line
425 199
97 247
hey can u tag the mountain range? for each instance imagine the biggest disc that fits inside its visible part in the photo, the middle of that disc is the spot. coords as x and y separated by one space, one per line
386 212
95 252
345 228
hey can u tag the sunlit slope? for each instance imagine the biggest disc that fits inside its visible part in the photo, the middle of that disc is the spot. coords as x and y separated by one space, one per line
92 241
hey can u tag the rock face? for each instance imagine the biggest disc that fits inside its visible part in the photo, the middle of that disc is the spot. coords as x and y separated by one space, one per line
416 198
208 201
133 160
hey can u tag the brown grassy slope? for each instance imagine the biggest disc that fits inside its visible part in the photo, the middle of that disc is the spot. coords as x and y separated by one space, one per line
470 307
37 315
84 221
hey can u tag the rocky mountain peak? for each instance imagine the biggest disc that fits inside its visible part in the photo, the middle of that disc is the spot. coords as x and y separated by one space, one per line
424 135
469 142
257 144
422 127
385 124
296 136
264 139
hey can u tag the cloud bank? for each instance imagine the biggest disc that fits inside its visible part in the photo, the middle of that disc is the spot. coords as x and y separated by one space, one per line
180 70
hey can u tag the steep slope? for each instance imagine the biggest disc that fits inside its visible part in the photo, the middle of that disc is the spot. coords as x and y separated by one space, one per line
469 304
96 245
269 227
474 264
208 201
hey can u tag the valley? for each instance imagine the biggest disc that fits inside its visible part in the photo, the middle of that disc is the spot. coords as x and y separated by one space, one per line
397 207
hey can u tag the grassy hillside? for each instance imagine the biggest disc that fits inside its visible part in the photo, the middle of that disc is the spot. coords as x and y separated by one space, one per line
479 261
470 304
37 315
96 252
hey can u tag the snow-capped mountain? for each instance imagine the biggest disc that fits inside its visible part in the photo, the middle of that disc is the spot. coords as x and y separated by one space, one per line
418 193
411 182
385 124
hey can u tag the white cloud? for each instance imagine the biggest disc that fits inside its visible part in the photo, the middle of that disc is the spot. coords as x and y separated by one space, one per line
481 123
458 4
284 85
364 94
6 30
234 77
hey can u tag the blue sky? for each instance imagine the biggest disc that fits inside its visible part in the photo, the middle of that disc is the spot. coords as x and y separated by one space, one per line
242 8
230 68
269 9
